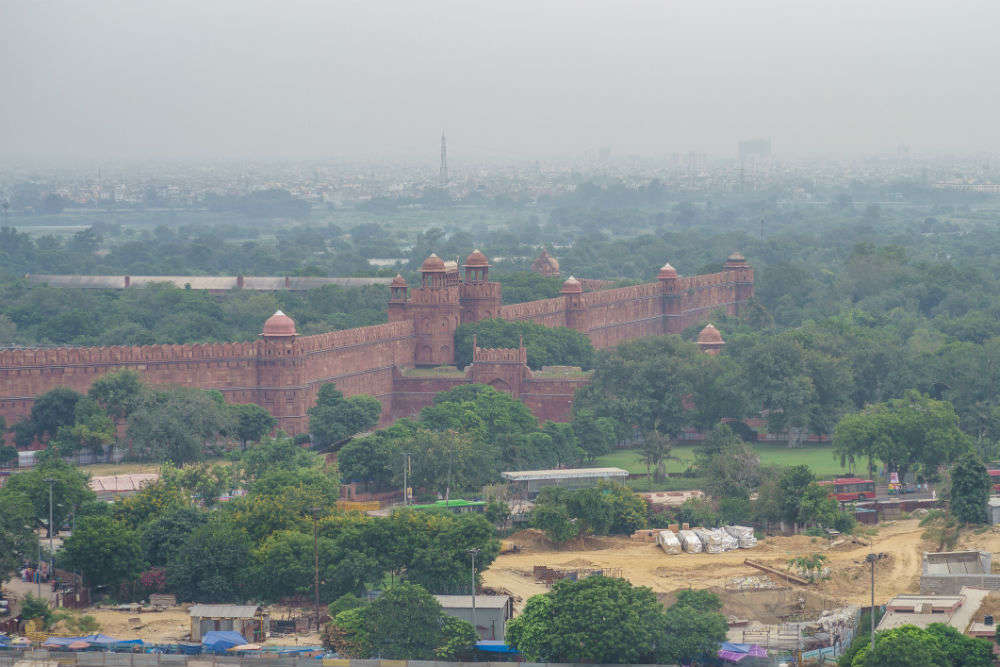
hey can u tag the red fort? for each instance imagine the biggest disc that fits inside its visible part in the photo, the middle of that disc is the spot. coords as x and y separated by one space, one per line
283 371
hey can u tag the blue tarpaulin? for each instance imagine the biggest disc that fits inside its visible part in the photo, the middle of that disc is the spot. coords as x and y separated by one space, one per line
220 640
494 646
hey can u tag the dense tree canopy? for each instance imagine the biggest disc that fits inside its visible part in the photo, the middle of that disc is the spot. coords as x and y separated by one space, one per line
334 419
609 621
547 346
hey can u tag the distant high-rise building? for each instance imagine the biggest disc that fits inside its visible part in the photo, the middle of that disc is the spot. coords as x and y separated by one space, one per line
755 148
443 176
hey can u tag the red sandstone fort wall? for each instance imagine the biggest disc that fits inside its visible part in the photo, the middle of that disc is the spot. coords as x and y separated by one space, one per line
547 312
358 361
284 375
24 374
551 399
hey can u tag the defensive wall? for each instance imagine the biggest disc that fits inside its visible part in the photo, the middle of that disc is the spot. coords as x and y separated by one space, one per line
282 371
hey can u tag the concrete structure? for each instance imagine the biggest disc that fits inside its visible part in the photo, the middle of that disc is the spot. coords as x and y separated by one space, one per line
922 610
492 612
216 284
529 483
250 621
947 572
283 371
993 509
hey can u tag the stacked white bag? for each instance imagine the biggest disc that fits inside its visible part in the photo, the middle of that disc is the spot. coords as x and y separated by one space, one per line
744 536
710 540
668 542
689 541
729 543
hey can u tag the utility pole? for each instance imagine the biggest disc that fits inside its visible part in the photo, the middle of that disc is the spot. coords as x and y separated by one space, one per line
872 559
475 626
315 513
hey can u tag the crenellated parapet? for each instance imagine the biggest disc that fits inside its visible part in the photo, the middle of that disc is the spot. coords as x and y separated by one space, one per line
283 371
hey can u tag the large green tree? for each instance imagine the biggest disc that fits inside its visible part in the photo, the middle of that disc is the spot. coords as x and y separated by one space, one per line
914 430
334 419
213 565
250 422
424 632
603 620
176 424
16 537
119 393
104 551
970 489
70 489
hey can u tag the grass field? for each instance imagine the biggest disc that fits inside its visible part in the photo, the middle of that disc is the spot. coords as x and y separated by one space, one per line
820 459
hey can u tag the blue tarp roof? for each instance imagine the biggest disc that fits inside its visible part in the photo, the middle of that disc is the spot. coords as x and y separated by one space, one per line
220 640
493 646
93 640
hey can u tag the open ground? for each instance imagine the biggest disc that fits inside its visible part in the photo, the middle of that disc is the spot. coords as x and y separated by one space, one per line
645 564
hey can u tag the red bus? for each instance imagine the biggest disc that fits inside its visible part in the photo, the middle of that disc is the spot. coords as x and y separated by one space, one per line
846 489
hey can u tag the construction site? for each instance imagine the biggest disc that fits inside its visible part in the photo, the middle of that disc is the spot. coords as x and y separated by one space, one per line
767 601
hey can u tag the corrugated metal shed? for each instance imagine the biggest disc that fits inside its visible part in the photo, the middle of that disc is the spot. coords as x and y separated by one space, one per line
224 610
569 473
465 601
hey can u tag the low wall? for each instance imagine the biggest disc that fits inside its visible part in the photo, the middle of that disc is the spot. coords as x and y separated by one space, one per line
9 658
951 584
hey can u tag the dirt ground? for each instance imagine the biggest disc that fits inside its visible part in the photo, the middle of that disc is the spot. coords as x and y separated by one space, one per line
645 564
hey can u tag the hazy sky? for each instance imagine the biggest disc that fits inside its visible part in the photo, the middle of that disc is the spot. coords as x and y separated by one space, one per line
374 79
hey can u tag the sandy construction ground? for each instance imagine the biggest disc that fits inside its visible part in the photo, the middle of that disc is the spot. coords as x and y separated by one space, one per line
646 565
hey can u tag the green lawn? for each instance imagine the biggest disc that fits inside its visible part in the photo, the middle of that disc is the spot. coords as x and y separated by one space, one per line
819 458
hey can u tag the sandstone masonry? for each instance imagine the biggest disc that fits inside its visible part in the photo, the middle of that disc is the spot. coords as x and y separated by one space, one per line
282 371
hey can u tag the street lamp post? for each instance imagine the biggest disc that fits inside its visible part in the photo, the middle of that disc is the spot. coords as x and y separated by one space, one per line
871 559
475 626
406 471
51 547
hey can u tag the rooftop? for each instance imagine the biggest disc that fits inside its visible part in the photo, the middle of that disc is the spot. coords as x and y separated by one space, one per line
968 601
465 601
224 610
568 473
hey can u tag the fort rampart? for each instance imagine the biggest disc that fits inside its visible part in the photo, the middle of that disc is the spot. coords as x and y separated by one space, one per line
282 371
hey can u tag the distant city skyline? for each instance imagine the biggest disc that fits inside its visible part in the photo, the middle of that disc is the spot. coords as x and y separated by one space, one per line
509 81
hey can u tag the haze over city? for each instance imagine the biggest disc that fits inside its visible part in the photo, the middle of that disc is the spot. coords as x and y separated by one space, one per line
506 80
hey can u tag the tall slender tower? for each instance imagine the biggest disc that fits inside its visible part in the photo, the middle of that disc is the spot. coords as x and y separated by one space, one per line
443 176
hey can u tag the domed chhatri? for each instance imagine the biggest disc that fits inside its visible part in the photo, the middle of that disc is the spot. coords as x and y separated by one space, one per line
476 258
398 281
667 272
432 264
710 340
571 286
546 264
736 260
279 324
